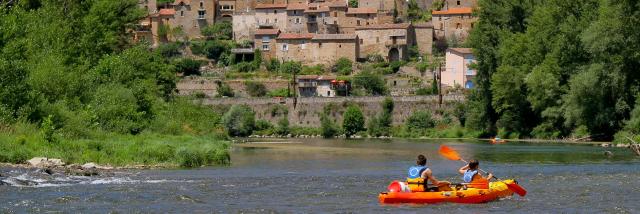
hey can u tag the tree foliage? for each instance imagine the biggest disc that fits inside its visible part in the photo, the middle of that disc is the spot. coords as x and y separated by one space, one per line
239 121
353 121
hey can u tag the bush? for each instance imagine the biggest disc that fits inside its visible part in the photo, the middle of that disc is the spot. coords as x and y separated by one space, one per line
273 65
255 89
280 92
291 67
395 66
188 66
420 120
373 84
116 109
283 126
316 69
343 66
328 128
257 58
262 125
245 67
239 120
375 58
169 50
218 31
224 90
353 121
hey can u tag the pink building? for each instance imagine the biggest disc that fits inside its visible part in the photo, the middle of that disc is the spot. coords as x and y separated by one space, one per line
457 72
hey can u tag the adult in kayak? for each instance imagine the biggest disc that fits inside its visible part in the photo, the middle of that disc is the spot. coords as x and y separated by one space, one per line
473 177
419 176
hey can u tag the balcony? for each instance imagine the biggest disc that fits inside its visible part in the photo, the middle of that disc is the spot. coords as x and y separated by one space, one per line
307 84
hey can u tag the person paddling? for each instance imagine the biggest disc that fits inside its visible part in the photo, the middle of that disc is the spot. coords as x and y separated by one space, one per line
472 176
420 174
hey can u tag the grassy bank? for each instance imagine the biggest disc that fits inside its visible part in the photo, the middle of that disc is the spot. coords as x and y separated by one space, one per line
117 150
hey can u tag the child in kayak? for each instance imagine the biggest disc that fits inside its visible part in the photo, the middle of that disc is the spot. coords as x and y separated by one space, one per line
420 174
472 176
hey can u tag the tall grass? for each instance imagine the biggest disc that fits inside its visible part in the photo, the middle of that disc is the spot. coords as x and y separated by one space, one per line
24 141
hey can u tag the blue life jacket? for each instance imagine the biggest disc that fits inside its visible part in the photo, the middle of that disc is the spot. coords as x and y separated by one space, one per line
468 175
416 171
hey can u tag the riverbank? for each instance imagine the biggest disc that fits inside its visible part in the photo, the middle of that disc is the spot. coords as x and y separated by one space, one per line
121 151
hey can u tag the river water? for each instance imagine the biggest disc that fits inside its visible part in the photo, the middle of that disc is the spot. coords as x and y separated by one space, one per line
337 176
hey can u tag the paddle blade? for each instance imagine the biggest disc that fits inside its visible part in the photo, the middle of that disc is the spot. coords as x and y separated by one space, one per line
448 153
517 189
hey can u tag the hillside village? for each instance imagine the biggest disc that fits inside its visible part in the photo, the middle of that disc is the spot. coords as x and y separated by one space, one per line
407 43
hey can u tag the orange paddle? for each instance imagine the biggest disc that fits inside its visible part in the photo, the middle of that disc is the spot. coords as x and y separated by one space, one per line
451 154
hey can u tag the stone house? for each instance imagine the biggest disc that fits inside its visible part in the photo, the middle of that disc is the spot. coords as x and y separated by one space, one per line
271 16
318 19
192 15
454 23
450 4
296 20
225 10
391 41
316 48
244 26
293 46
316 86
265 40
356 17
457 72
384 5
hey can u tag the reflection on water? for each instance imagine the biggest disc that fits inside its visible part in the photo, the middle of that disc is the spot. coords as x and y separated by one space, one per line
314 175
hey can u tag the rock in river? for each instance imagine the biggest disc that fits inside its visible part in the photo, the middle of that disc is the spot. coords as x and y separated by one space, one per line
42 162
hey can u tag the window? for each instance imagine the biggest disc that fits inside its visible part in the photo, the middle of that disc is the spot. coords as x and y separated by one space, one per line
295 12
297 20
339 46
439 18
201 14
275 20
319 44
471 25
458 2
182 13
361 41
201 4
275 11
335 14
358 22
458 25
285 47
265 47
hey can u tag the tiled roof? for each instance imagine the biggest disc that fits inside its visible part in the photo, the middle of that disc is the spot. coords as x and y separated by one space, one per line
462 50
384 26
167 12
295 36
452 11
267 32
270 6
297 6
334 37
362 10
316 9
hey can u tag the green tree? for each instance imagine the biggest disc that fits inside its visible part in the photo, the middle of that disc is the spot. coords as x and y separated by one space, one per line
257 58
353 121
239 121
381 124
420 120
188 66
283 126
291 67
372 83
218 31
273 65
343 66
353 3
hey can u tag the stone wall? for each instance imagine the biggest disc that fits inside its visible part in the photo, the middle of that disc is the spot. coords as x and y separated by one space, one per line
209 86
306 112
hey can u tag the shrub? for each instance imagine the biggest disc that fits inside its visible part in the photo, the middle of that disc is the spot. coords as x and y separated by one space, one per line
316 69
291 67
255 89
328 128
218 31
188 66
262 125
169 50
353 121
373 84
273 65
395 66
244 67
283 126
257 58
280 92
239 120
116 109
343 66
420 120
375 58
224 90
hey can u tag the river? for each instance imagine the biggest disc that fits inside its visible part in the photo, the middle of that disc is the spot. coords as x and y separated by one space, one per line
336 176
